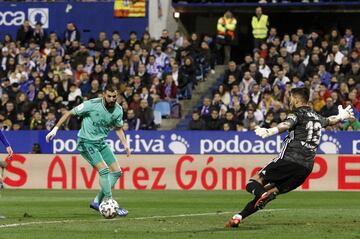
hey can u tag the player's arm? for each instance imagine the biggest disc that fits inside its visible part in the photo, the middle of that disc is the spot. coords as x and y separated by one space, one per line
80 110
6 144
343 114
61 121
283 126
120 133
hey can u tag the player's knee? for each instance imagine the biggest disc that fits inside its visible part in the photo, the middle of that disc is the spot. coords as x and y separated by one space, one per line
116 174
104 171
249 185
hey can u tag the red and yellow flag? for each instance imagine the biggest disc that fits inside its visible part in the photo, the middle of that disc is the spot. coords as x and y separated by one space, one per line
130 8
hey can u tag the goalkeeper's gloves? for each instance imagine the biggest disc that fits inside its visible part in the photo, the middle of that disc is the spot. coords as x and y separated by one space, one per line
264 133
345 113
51 134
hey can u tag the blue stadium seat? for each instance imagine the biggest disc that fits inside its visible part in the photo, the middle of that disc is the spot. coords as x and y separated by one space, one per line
157 117
163 107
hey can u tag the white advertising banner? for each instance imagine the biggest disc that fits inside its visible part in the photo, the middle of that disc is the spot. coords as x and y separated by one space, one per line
182 172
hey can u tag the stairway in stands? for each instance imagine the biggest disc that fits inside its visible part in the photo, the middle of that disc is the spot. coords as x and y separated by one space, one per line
204 88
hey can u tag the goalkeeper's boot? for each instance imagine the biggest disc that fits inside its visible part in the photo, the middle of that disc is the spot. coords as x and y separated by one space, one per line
94 205
265 199
234 221
122 212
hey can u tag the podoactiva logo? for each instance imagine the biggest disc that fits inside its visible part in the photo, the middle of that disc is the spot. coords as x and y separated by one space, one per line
329 145
176 143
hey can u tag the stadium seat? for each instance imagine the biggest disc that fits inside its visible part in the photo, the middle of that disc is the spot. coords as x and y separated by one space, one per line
157 117
164 108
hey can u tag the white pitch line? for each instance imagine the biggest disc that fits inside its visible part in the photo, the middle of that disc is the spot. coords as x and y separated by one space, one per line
135 218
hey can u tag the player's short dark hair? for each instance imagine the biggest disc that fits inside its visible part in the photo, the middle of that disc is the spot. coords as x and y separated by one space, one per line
110 87
303 93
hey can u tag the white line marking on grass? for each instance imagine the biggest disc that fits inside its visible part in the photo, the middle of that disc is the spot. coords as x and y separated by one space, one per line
116 219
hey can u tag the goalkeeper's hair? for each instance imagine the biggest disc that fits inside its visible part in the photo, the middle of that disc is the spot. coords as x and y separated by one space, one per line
303 93
111 88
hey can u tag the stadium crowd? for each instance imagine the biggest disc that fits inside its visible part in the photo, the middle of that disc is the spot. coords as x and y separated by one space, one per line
256 92
44 74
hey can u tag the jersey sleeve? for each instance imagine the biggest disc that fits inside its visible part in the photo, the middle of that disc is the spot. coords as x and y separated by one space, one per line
323 121
119 121
82 109
292 119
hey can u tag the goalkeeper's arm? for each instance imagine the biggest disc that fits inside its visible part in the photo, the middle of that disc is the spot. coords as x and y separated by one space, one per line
343 114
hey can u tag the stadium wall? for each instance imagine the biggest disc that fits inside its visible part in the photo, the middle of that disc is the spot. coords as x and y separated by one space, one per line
55 15
178 172
161 17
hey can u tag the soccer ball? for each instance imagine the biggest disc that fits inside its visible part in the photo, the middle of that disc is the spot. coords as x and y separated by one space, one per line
108 208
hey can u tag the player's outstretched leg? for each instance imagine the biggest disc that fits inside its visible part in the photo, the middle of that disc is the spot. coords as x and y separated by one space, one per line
255 188
113 177
247 211
115 174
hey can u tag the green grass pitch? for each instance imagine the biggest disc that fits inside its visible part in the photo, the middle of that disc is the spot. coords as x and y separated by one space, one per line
54 214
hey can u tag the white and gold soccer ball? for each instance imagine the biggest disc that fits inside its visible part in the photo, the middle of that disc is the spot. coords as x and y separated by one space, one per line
109 208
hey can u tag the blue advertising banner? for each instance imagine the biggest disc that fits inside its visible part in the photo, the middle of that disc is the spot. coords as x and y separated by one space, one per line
183 142
90 18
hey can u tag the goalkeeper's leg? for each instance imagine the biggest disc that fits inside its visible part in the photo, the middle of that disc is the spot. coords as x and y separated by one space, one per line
250 208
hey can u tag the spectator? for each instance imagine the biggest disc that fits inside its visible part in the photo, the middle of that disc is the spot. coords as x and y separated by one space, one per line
94 91
263 68
281 79
205 108
165 39
132 120
132 40
255 94
272 35
39 34
168 90
255 74
135 102
196 122
50 120
224 94
229 120
329 109
232 70
74 95
146 116
188 73
178 40
71 34
213 123
226 127
349 37
146 96
226 26
352 125
230 82
24 34
37 122
249 118
259 25
247 83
